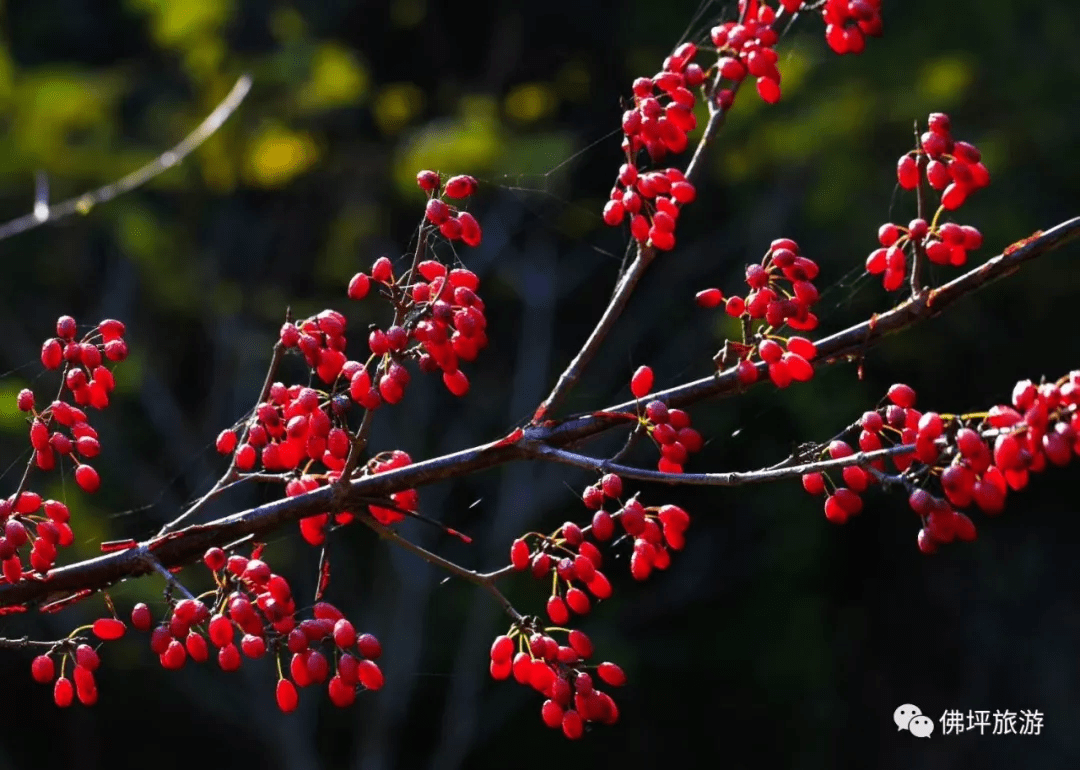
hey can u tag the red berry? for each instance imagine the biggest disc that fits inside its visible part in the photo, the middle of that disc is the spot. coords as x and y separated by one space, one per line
108 629
814 483
460 186
456 382
557 611
612 674
611 485
63 692
428 181
87 478
287 697
572 725
642 382
902 395
140 617
519 554
43 669
370 675
359 286
907 172
768 89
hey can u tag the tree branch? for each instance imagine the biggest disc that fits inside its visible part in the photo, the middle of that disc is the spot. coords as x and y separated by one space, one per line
81 204
187 545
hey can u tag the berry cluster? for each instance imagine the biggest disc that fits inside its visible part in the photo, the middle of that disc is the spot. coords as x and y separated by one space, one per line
847 22
954 169
652 200
313 528
572 559
781 294
746 47
663 111
444 324
84 659
321 340
61 430
294 425
654 530
43 524
255 604
662 115
974 459
453 224
558 672
669 428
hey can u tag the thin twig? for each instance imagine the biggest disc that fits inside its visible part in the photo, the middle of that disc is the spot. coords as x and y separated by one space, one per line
26 643
730 479
81 204
170 578
487 582
918 247
232 475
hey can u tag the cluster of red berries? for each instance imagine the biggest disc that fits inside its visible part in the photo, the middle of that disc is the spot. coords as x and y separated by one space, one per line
453 224
60 429
747 48
43 524
769 299
663 111
313 528
895 422
662 115
654 530
954 169
294 425
669 428
976 458
847 22
85 374
558 672
652 201
444 318
84 659
782 291
321 340
299 425
255 604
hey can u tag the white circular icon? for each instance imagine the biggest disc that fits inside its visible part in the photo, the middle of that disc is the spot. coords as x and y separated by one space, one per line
904 714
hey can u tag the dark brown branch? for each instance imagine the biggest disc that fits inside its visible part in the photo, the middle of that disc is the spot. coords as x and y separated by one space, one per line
25 643
187 545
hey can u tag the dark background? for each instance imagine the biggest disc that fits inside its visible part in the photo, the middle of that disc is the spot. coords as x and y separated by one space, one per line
776 639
